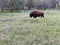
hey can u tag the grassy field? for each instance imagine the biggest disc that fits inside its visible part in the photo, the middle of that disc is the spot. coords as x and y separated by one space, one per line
20 29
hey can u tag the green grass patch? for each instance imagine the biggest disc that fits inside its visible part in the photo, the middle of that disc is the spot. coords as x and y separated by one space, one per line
20 29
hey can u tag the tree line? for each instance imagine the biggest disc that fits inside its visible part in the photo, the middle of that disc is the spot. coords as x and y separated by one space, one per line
15 5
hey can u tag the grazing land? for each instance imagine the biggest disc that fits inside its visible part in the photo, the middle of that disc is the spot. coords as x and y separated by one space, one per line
20 29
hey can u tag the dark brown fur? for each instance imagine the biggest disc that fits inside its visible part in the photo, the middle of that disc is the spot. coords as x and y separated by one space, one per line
35 14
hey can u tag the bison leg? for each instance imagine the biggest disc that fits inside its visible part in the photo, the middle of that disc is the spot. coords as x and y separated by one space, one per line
34 16
42 15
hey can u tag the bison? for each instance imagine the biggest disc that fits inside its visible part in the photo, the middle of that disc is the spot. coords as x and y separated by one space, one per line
35 14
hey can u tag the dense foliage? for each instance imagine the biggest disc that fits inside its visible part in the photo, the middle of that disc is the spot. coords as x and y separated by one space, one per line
13 5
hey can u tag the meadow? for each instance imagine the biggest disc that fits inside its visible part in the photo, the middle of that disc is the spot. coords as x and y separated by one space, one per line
20 29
